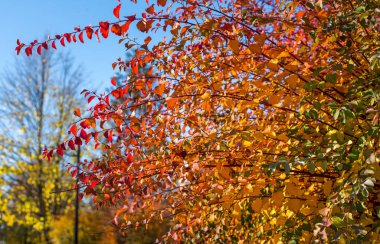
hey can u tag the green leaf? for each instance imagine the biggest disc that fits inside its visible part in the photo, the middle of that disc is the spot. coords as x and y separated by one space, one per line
324 165
337 221
311 167
331 78
313 114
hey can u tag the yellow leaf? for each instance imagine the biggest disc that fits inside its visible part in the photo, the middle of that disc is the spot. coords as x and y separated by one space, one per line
284 54
206 96
247 143
248 188
273 221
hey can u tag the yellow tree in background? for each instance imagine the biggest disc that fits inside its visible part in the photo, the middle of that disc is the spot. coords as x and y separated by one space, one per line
37 99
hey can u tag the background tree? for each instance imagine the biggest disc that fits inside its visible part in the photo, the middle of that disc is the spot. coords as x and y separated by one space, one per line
263 125
38 97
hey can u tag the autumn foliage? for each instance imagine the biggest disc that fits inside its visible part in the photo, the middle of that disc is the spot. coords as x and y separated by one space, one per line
256 120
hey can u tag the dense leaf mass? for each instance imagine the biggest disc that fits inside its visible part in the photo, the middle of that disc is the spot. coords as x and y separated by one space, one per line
256 120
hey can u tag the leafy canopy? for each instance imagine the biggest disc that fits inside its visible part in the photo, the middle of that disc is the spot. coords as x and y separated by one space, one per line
256 120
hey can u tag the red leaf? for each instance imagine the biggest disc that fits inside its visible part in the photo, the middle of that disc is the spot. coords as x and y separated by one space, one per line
62 41
18 48
129 158
83 134
116 94
68 37
131 18
45 45
113 81
125 27
84 124
90 99
74 173
72 145
97 35
147 40
49 155
60 151
108 135
116 11
57 36
89 31
73 129
135 67
77 112
63 146
104 28
80 36
78 141
74 38
93 184
39 48
28 51
53 45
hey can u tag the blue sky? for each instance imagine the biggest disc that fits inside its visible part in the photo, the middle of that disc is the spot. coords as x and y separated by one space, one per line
33 19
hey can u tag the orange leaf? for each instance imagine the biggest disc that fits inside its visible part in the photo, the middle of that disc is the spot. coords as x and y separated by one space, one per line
234 46
73 129
274 99
116 29
300 14
292 80
171 102
150 10
161 3
160 89
77 112
255 48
